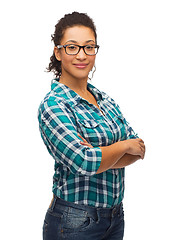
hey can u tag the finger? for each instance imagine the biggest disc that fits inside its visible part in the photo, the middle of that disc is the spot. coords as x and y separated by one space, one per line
86 144
143 153
142 156
140 140
142 149
142 146
84 140
141 143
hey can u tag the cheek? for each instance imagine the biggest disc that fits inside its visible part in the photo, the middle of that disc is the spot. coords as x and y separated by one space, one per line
92 62
66 61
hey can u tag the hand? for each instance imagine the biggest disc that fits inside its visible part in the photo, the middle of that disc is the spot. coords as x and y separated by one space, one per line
135 147
85 143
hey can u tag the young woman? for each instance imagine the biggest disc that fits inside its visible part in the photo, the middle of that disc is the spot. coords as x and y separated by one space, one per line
89 139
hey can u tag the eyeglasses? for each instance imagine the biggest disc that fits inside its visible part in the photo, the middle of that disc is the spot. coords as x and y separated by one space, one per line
73 49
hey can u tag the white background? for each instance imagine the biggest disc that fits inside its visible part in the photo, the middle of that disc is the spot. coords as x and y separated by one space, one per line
133 67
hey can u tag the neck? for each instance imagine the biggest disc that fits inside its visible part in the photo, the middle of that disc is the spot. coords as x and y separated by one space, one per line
77 85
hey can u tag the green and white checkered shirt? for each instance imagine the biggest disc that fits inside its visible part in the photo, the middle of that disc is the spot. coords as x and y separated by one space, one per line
62 114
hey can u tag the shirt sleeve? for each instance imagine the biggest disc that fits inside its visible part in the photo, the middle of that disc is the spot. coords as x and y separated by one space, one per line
129 130
58 130
130 133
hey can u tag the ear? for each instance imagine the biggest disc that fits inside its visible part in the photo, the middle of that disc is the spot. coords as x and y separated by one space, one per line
57 53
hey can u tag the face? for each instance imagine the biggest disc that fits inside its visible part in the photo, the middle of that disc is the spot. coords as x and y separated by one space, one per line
76 66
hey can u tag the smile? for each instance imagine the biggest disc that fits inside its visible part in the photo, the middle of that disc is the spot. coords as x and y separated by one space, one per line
81 65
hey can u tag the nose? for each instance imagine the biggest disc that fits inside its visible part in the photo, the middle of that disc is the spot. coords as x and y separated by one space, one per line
81 55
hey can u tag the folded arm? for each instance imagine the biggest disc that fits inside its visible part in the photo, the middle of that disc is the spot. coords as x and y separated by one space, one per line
126 160
59 133
120 154
57 127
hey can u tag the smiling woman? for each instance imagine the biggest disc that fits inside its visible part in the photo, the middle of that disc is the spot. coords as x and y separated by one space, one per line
89 139
75 58
69 20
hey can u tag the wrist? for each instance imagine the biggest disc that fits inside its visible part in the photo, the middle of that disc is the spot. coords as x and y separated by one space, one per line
125 146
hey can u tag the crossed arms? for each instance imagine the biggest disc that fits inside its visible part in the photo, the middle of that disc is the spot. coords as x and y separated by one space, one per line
120 154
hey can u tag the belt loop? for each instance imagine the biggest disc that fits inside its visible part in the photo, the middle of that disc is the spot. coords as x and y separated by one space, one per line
52 205
98 216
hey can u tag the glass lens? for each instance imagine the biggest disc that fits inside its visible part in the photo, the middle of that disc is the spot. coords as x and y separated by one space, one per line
90 49
72 49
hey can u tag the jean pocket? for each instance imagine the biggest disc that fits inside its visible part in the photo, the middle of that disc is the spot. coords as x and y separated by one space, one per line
52 226
76 219
45 229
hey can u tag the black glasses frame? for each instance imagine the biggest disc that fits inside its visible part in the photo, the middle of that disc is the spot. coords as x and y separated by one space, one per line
80 47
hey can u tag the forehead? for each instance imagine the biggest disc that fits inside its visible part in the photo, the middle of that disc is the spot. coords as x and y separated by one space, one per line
79 34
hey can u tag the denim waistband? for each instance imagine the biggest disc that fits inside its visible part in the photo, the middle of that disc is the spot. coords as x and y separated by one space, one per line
91 211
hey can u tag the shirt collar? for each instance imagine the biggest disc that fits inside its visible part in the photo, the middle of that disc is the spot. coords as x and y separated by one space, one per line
72 97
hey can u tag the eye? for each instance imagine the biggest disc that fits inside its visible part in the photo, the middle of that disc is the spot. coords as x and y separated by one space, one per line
72 47
90 47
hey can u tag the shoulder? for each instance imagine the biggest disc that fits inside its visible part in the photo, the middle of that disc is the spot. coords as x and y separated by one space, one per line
53 103
106 97
110 102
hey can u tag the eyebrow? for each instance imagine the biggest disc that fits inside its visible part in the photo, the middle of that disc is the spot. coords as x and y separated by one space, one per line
76 41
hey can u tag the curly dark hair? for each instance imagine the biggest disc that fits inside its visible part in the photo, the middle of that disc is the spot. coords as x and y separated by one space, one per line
69 20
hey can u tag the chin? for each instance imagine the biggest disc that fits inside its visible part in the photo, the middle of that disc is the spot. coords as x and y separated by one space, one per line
81 76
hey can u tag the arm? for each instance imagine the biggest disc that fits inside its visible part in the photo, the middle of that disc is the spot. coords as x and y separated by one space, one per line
125 161
111 155
120 154
59 133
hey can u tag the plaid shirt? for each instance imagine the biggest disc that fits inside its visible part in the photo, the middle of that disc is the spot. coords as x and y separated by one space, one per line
62 114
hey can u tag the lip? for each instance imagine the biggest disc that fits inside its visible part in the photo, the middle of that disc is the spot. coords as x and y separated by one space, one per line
81 65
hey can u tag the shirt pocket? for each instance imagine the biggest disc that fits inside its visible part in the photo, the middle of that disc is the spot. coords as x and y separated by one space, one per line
119 127
91 131
88 123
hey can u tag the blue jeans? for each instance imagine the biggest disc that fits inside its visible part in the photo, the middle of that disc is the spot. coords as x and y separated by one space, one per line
65 220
